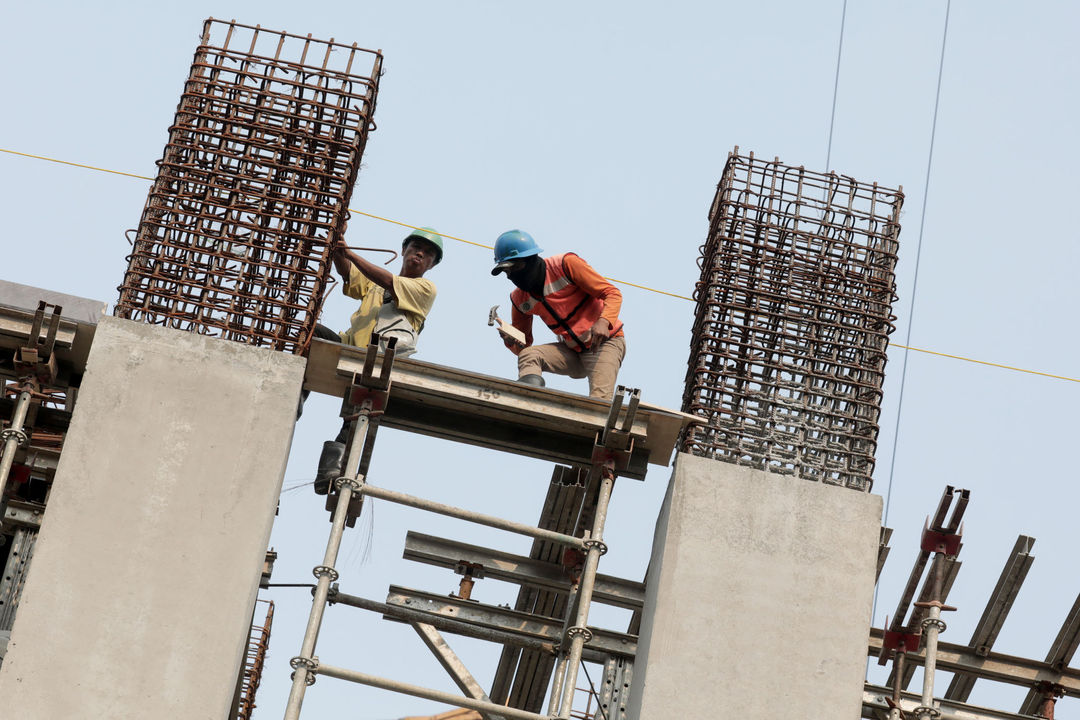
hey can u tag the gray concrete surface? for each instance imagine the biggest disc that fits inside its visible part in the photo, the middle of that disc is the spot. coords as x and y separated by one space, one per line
758 597
26 297
138 601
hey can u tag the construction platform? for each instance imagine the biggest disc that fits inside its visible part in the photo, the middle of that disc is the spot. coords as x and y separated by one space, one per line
497 413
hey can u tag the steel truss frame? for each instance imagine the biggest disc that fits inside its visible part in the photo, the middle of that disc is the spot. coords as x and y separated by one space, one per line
915 641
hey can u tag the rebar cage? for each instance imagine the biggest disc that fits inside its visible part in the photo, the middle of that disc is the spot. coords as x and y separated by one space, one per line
794 309
253 187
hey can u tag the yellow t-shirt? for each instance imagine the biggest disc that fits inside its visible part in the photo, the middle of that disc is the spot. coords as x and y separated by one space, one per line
415 296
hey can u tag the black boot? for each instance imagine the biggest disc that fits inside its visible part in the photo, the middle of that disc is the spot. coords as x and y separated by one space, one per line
534 380
330 465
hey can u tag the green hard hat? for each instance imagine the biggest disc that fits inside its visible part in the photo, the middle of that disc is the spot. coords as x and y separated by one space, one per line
429 234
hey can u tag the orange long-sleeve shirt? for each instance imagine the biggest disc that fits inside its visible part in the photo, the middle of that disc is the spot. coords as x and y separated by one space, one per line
592 283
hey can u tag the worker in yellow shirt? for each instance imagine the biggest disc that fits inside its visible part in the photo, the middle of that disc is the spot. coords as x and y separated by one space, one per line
391 305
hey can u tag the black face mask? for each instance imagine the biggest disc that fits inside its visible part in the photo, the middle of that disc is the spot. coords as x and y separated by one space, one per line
530 277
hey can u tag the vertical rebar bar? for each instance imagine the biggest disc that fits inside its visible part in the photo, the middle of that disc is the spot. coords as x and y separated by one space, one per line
253 188
13 437
794 309
304 665
594 550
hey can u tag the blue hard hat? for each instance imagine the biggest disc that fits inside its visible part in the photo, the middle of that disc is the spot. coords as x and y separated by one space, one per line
513 245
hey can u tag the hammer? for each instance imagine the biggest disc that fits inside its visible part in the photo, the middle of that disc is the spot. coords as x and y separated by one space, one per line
507 330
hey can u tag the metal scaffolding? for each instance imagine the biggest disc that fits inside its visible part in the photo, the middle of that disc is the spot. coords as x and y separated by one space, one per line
253 187
794 309
35 409
913 638
566 642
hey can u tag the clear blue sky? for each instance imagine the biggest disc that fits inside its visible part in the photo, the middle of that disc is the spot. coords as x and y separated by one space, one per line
603 128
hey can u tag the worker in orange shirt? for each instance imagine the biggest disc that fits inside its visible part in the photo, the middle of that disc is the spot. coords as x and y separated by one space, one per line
575 301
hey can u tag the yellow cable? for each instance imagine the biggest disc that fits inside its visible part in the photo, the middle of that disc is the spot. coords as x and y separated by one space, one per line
88 167
621 282
984 362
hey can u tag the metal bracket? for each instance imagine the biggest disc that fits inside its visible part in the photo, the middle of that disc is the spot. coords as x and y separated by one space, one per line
941 541
366 396
900 641
470 572
614 445
35 360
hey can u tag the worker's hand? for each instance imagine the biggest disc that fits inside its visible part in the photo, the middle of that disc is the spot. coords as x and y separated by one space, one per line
514 346
597 334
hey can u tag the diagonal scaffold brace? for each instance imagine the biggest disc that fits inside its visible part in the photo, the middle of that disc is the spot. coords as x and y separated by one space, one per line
366 398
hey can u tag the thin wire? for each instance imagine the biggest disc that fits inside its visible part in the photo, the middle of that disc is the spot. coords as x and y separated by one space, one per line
915 279
615 280
836 86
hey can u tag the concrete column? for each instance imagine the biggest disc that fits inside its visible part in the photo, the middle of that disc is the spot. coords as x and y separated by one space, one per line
139 598
758 597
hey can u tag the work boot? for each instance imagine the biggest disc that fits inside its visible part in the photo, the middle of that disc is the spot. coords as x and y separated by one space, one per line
534 380
330 465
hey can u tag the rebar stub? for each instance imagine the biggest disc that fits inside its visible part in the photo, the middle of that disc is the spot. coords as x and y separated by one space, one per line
584 632
598 544
320 571
309 664
23 438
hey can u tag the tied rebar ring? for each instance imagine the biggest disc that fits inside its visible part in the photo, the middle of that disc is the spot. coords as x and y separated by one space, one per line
23 438
598 544
584 632
309 664
927 622
321 571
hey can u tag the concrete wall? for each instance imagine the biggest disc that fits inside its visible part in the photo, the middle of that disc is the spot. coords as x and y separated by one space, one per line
139 598
758 597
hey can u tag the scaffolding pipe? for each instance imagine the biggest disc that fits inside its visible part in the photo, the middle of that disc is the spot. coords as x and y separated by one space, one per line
594 549
304 664
932 627
13 437
898 679
426 693
478 518
559 674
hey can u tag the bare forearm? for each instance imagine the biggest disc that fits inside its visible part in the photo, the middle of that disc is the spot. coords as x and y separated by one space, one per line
345 260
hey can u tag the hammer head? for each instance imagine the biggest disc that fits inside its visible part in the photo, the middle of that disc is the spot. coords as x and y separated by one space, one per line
493 315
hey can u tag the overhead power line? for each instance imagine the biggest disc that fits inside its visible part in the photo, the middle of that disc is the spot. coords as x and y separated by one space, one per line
616 280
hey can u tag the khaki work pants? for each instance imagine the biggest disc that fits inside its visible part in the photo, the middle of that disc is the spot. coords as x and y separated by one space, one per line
600 363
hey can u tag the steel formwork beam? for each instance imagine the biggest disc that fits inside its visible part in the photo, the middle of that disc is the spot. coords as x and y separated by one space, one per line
253 188
992 666
794 309
505 566
536 627
876 705
996 610
1060 655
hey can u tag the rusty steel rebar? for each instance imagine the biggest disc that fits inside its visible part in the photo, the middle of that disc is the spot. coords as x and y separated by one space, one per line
794 309
253 188
254 660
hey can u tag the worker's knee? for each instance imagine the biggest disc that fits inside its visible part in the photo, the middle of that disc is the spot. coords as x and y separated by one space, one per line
529 355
